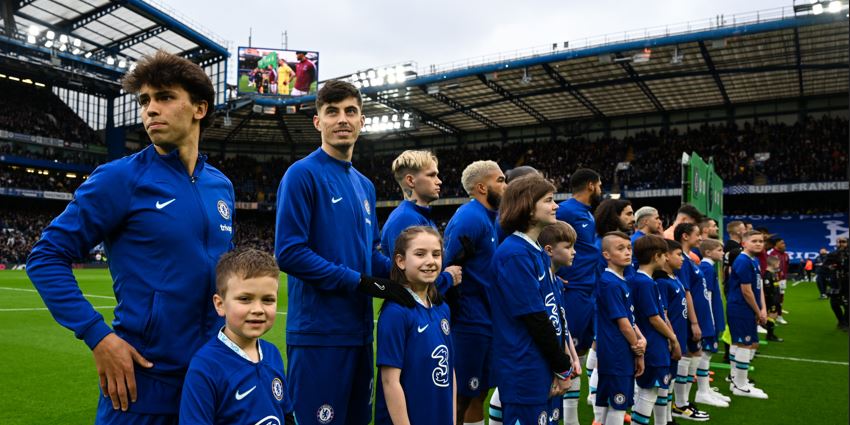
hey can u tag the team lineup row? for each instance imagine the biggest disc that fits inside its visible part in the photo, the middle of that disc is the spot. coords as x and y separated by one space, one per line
165 217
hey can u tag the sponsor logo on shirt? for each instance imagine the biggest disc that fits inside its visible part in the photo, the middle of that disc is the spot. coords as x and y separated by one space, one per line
440 375
366 207
240 396
161 205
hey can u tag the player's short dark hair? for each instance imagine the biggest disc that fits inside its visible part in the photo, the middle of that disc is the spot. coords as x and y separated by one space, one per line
162 69
647 247
705 222
243 263
683 229
776 239
334 91
560 231
521 171
517 203
401 244
672 245
607 215
582 177
690 211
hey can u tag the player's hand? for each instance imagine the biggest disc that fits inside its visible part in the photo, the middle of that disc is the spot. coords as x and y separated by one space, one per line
675 351
467 251
640 347
696 331
576 365
559 386
762 318
564 281
457 274
386 289
638 366
114 359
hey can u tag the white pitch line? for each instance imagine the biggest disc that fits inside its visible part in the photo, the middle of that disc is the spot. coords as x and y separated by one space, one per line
45 308
33 290
797 359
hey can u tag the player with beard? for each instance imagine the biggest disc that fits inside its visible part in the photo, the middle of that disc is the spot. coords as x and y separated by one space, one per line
472 234
579 299
647 222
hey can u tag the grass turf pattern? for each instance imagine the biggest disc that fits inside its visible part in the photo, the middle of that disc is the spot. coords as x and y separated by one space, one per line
48 376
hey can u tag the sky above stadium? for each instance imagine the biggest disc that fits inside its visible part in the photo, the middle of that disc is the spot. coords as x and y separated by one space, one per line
352 36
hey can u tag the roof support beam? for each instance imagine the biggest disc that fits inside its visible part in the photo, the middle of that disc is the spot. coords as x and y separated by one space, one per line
799 60
713 70
468 111
57 29
88 17
238 128
513 99
663 76
443 126
118 45
641 84
566 86
284 129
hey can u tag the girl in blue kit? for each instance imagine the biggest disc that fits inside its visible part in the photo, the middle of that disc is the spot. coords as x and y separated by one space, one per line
530 360
415 355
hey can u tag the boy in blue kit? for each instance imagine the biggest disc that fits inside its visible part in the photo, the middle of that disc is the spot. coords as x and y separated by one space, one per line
326 240
471 234
661 342
745 308
688 235
237 377
416 383
673 294
712 254
165 216
620 345
530 363
416 172
580 290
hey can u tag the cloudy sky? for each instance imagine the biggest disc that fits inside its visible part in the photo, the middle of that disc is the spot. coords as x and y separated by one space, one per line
352 36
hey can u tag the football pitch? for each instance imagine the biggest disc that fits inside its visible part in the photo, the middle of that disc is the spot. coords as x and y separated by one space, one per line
48 376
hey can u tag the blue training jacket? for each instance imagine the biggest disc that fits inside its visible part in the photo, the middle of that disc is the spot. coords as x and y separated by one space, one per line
477 223
408 214
326 236
585 271
163 231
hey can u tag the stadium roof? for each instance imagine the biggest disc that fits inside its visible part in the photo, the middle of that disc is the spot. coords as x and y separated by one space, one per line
760 58
112 35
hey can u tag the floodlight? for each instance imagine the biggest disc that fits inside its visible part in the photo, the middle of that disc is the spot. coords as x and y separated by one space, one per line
63 38
133 66
391 78
76 51
407 124
48 44
77 42
63 47
397 125
375 82
385 118
817 9
406 116
395 117
357 84
363 76
88 55
31 39
372 75
110 60
50 35
834 6
122 63
366 83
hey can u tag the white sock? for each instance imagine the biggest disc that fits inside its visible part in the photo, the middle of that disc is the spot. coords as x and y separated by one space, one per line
742 360
590 362
570 403
659 410
594 381
733 349
599 413
669 405
703 384
680 387
481 422
692 370
644 401
495 412
615 417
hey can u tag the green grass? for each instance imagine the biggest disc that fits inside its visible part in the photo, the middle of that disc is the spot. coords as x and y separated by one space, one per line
48 376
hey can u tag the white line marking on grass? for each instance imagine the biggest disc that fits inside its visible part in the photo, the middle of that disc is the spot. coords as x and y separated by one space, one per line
33 290
797 283
797 359
97 307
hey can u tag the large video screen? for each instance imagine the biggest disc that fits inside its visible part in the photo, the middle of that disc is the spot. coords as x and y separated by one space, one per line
276 72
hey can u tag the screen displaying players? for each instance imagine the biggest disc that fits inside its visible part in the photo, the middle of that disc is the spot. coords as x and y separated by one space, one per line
275 72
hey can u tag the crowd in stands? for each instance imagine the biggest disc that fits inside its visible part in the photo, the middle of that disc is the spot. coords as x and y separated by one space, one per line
27 109
19 230
50 180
